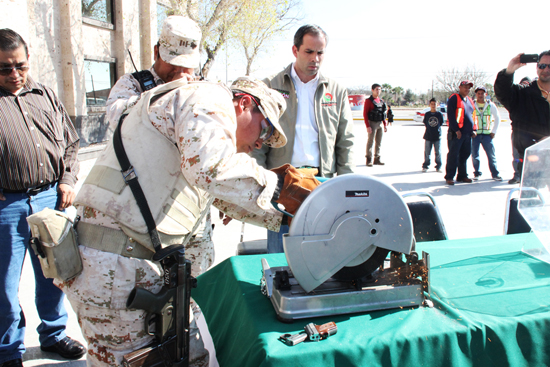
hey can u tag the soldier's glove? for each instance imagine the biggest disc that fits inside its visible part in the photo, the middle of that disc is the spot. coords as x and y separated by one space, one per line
294 186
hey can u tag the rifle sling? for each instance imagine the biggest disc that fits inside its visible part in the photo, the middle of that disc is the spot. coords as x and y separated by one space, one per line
131 179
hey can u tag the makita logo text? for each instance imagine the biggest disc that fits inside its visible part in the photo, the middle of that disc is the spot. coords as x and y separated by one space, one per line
357 194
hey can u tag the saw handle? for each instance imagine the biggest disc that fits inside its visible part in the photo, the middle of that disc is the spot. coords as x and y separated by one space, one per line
276 206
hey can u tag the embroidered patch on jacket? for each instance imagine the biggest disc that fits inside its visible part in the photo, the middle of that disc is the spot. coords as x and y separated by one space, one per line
327 100
285 93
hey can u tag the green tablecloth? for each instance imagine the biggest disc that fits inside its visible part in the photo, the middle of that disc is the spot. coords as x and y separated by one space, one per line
491 309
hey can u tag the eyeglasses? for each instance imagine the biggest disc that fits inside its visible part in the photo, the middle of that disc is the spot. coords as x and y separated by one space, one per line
543 66
267 129
20 69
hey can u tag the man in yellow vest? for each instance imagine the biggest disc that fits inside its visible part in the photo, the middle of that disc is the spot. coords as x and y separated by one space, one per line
486 112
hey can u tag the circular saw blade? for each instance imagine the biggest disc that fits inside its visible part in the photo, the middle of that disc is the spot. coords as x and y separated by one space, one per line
389 222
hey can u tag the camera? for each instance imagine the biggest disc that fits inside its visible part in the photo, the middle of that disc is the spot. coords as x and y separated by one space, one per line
524 59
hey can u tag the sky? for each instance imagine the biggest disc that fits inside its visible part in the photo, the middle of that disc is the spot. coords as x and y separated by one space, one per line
407 43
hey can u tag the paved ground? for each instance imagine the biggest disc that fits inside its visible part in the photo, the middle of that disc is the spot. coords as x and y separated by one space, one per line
468 210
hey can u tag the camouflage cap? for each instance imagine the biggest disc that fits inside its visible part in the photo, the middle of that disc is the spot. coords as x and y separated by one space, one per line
271 101
179 42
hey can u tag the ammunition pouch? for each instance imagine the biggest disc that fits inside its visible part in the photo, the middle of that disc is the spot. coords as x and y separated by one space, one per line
54 241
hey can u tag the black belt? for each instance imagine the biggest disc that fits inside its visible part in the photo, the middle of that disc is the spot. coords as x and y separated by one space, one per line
30 191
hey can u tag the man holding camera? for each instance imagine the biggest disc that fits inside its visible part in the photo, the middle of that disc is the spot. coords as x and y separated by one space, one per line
528 104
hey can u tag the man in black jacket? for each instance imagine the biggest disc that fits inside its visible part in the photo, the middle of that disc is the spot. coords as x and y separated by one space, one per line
462 128
530 105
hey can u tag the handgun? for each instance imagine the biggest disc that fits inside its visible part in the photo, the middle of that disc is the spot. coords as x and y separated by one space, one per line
319 332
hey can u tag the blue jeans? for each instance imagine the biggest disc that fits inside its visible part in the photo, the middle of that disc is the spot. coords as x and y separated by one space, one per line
459 152
428 151
486 141
275 240
14 239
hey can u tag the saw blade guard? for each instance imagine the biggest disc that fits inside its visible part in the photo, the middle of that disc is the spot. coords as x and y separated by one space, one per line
342 223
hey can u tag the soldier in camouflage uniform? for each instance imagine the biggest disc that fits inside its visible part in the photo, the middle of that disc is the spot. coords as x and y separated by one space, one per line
172 62
207 130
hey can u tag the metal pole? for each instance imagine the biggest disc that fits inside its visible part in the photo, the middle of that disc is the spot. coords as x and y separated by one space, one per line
226 67
93 89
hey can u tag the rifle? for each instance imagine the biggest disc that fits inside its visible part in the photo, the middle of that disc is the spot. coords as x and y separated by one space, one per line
168 311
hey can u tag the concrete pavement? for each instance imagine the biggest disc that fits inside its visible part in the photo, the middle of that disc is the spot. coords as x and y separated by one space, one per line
468 210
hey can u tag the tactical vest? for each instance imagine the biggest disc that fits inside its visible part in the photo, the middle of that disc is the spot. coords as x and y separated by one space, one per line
379 111
484 117
460 111
176 205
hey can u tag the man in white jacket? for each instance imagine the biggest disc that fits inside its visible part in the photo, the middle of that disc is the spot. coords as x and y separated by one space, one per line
488 119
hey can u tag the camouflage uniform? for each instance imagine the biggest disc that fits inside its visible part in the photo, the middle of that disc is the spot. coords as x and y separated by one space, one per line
124 95
205 134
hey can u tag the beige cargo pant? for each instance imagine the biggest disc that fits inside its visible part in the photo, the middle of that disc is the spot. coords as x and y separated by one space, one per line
98 296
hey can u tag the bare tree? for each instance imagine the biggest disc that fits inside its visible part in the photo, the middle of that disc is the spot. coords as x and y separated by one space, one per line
248 21
261 21
95 9
360 89
216 18
448 80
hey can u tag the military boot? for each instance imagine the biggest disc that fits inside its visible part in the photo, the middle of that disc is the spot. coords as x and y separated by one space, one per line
378 162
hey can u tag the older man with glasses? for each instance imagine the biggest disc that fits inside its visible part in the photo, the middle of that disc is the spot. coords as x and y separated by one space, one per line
529 104
38 169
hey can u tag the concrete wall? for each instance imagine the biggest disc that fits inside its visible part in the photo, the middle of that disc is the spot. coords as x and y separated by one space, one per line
60 40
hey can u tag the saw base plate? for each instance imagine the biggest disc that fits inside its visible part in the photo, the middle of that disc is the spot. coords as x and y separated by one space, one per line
383 290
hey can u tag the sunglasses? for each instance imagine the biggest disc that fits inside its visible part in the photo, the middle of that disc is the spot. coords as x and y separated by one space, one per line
267 129
543 66
20 69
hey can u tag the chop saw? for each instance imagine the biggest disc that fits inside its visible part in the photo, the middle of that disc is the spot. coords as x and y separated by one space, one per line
337 249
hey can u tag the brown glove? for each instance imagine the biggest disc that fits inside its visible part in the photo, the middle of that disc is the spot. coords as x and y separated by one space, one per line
298 184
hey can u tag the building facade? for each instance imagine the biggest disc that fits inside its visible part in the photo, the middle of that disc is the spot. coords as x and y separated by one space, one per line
80 48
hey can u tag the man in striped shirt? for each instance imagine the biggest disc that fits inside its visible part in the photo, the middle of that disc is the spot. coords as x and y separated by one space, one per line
38 169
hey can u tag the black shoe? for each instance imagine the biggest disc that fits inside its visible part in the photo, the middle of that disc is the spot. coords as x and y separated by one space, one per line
513 181
67 348
13 363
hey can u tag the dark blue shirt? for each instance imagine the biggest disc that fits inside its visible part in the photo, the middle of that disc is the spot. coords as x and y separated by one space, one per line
433 122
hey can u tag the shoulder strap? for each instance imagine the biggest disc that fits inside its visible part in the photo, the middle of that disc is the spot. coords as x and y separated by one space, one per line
131 179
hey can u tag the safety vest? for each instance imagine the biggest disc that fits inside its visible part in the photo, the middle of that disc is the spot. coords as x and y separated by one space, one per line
485 118
460 111
379 111
175 205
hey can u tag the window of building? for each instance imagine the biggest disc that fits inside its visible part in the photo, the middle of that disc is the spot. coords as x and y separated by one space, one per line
101 10
99 77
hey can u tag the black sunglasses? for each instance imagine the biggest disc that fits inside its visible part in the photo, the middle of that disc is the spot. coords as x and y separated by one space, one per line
20 69
543 66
